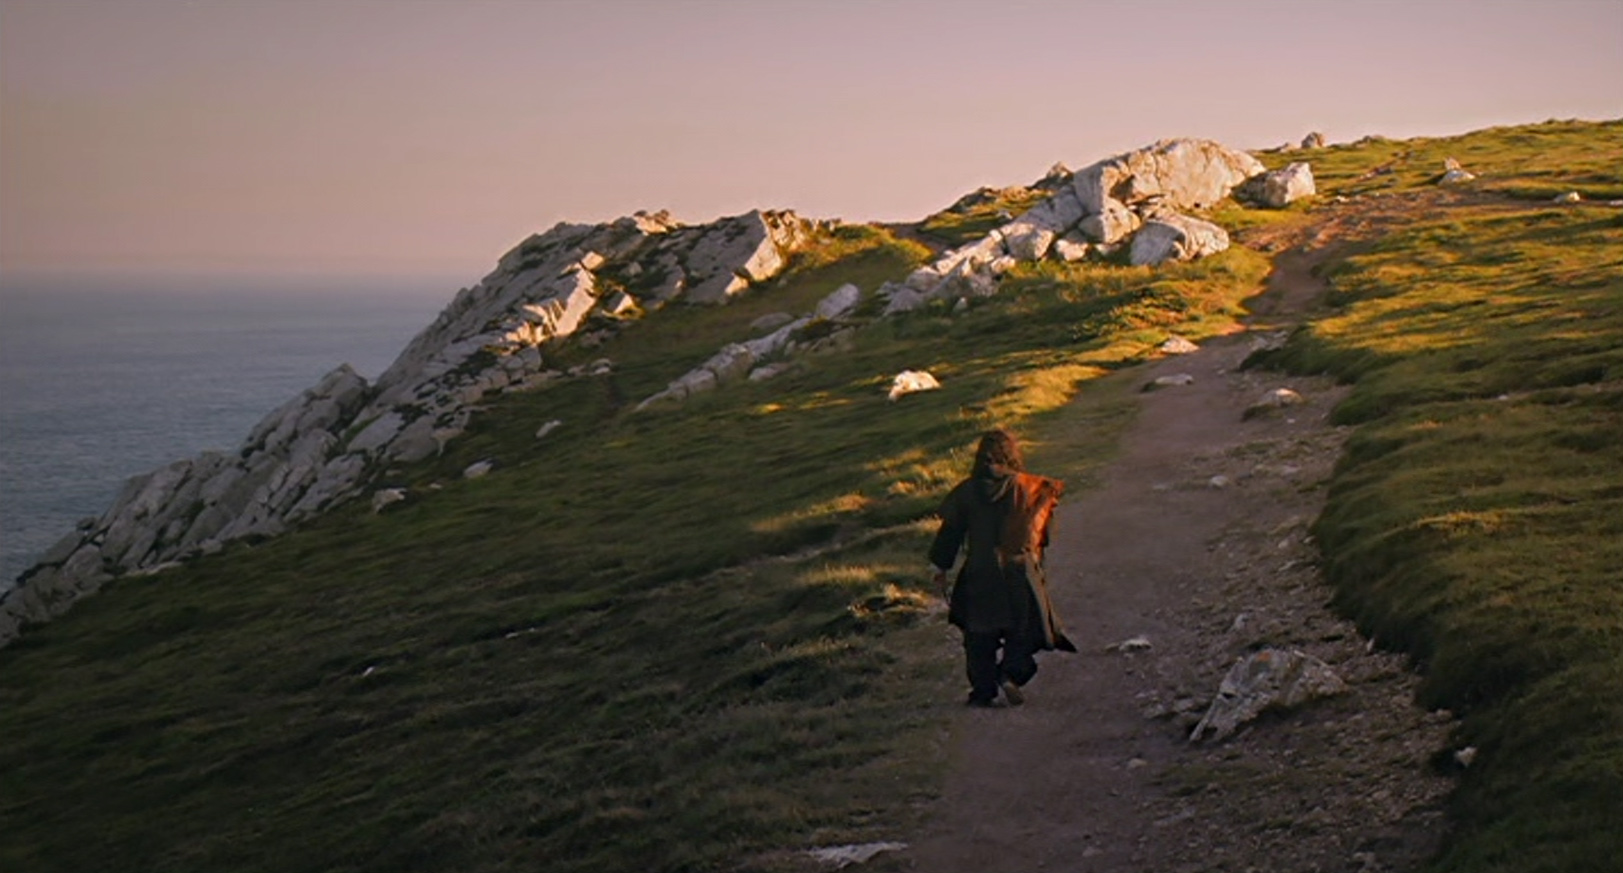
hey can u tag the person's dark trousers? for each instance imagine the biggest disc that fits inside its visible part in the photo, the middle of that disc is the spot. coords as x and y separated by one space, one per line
981 663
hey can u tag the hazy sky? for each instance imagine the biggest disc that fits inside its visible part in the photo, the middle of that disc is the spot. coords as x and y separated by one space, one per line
395 136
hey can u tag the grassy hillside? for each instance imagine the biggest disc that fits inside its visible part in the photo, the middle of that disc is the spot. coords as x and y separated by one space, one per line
685 639
1476 520
662 640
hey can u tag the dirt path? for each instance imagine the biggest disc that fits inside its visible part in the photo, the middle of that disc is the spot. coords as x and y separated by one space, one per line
1198 541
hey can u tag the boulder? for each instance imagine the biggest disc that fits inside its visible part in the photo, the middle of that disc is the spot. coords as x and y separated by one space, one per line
1059 213
1175 237
840 303
1070 249
736 252
732 364
1314 140
1172 381
912 381
1273 401
1282 187
387 497
1269 679
1028 243
1178 173
1113 222
1177 345
903 299
1454 173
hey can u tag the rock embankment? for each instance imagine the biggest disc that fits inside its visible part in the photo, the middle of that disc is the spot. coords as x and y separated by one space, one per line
325 446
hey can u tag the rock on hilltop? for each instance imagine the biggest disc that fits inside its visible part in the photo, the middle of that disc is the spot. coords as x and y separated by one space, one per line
1133 198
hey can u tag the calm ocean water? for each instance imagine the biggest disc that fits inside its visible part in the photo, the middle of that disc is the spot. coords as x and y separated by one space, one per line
101 380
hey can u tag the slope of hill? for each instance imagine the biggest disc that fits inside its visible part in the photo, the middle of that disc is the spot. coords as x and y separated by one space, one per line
682 639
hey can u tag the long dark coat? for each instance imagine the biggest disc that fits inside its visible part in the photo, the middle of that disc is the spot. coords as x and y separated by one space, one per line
1002 519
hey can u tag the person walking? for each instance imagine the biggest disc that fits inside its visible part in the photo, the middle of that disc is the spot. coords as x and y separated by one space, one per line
999 518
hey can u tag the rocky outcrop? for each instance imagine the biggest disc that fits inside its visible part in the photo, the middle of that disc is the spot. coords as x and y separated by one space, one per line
1091 212
1176 174
328 444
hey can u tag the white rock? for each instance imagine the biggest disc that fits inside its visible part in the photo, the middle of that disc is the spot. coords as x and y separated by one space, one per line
1027 242
856 853
1069 250
1113 222
966 280
924 279
618 303
1176 237
1314 140
1453 172
547 428
1283 187
1269 679
1569 197
904 299
1281 397
840 303
1177 345
770 371
478 469
1179 173
696 382
1173 380
387 497
731 364
735 252
911 381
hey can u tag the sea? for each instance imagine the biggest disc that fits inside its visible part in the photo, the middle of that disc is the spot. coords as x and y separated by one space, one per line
104 378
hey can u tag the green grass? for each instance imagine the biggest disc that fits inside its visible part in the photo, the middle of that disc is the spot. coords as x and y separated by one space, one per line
1476 519
688 639
1531 162
672 640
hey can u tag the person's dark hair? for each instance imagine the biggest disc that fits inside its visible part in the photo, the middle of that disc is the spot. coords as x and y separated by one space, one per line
997 454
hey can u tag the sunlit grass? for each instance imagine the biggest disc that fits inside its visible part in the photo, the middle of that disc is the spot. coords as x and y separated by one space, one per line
1476 520
662 640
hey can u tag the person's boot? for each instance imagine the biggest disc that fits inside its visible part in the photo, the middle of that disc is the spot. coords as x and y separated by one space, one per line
1012 693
